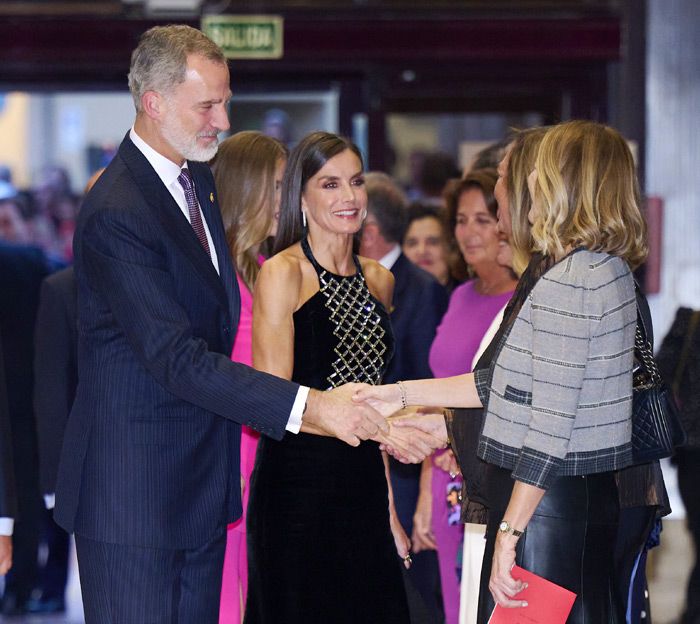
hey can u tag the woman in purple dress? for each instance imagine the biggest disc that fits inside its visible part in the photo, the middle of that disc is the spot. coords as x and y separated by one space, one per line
473 306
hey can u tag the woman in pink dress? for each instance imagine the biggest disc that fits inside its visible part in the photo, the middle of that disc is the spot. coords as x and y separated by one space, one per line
248 172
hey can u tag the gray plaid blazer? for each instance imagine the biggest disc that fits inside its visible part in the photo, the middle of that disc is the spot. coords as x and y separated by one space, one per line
559 392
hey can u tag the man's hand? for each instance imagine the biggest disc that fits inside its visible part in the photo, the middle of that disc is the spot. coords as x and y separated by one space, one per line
5 553
337 414
385 399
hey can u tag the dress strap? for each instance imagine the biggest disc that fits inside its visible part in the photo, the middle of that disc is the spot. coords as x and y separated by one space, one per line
306 248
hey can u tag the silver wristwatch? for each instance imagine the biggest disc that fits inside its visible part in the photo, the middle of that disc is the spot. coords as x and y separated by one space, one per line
505 527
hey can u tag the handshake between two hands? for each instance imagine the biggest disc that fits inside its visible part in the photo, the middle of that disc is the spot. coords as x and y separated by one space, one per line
355 412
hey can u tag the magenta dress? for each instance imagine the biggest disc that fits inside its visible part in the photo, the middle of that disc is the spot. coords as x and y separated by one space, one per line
234 586
468 317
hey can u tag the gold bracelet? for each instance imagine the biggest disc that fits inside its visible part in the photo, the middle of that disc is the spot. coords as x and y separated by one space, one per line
402 388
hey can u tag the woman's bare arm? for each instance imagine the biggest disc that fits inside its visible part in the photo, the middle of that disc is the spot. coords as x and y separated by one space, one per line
275 298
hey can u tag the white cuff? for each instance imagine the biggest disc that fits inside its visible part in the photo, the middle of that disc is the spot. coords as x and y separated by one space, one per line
6 526
294 422
49 500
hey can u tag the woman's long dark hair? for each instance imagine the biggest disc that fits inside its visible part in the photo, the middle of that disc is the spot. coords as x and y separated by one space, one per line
305 161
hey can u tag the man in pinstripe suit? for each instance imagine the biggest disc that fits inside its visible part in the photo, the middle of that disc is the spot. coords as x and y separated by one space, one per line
148 478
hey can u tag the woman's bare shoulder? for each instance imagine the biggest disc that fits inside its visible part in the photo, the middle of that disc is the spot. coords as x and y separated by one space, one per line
285 264
281 273
289 275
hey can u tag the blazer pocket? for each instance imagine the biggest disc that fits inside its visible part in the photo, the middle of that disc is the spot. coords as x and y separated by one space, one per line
514 395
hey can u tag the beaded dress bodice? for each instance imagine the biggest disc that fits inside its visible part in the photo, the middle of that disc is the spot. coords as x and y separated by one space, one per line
342 333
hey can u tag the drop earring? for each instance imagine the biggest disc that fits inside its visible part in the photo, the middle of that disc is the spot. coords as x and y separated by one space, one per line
303 218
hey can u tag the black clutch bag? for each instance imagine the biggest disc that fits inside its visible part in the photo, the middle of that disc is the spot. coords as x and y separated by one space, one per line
656 425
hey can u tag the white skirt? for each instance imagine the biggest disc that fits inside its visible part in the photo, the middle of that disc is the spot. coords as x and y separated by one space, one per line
472 558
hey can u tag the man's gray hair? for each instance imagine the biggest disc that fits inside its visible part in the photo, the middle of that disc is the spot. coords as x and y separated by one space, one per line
387 203
159 62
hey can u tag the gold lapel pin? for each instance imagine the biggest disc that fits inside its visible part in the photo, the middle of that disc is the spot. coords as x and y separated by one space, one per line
211 197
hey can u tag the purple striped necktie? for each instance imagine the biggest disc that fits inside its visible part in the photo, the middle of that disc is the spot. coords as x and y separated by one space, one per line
185 180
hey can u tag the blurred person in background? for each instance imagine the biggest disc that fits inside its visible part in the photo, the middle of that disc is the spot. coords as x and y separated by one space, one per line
471 209
438 168
427 244
278 125
418 304
679 362
56 207
492 154
56 380
13 227
5 174
416 159
22 269
248 170
513 199
8 496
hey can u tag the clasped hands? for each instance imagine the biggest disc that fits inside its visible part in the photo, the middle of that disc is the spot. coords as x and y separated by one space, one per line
413 432
355 412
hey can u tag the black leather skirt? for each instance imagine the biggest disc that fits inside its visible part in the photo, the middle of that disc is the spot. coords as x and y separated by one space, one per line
570 540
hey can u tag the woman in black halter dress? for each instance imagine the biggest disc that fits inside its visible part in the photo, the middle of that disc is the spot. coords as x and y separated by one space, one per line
319 539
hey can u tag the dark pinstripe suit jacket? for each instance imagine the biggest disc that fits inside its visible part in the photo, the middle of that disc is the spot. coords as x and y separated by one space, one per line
151 449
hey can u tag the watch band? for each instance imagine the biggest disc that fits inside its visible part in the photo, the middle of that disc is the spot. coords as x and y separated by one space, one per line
505 527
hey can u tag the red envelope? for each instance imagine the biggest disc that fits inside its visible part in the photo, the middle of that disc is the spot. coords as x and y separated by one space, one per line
547 603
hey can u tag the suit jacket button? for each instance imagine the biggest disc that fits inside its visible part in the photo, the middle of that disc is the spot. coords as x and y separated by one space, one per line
227 330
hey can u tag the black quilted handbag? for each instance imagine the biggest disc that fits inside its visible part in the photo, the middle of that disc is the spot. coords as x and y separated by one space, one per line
656 425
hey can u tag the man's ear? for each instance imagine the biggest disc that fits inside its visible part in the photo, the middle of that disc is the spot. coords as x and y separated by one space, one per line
152 104
368 237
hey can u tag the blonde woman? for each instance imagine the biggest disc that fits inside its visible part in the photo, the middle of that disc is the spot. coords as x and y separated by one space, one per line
559 399
248 172
513 199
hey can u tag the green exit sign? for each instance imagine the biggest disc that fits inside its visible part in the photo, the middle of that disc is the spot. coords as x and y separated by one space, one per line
246 36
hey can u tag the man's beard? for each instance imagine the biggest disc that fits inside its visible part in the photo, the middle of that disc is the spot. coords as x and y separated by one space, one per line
186 144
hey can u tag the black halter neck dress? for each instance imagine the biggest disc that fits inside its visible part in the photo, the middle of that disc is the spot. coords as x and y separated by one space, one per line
320 549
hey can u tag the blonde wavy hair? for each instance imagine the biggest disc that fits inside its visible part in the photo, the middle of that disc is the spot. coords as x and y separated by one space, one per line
521 161
586 194
244 173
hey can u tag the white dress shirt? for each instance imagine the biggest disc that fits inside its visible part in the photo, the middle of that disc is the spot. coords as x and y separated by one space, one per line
388 261
6 526
168 172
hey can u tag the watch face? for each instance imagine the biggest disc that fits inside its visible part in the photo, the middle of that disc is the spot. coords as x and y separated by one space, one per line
503 526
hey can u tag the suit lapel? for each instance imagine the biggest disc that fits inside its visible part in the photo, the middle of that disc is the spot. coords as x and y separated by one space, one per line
168 213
